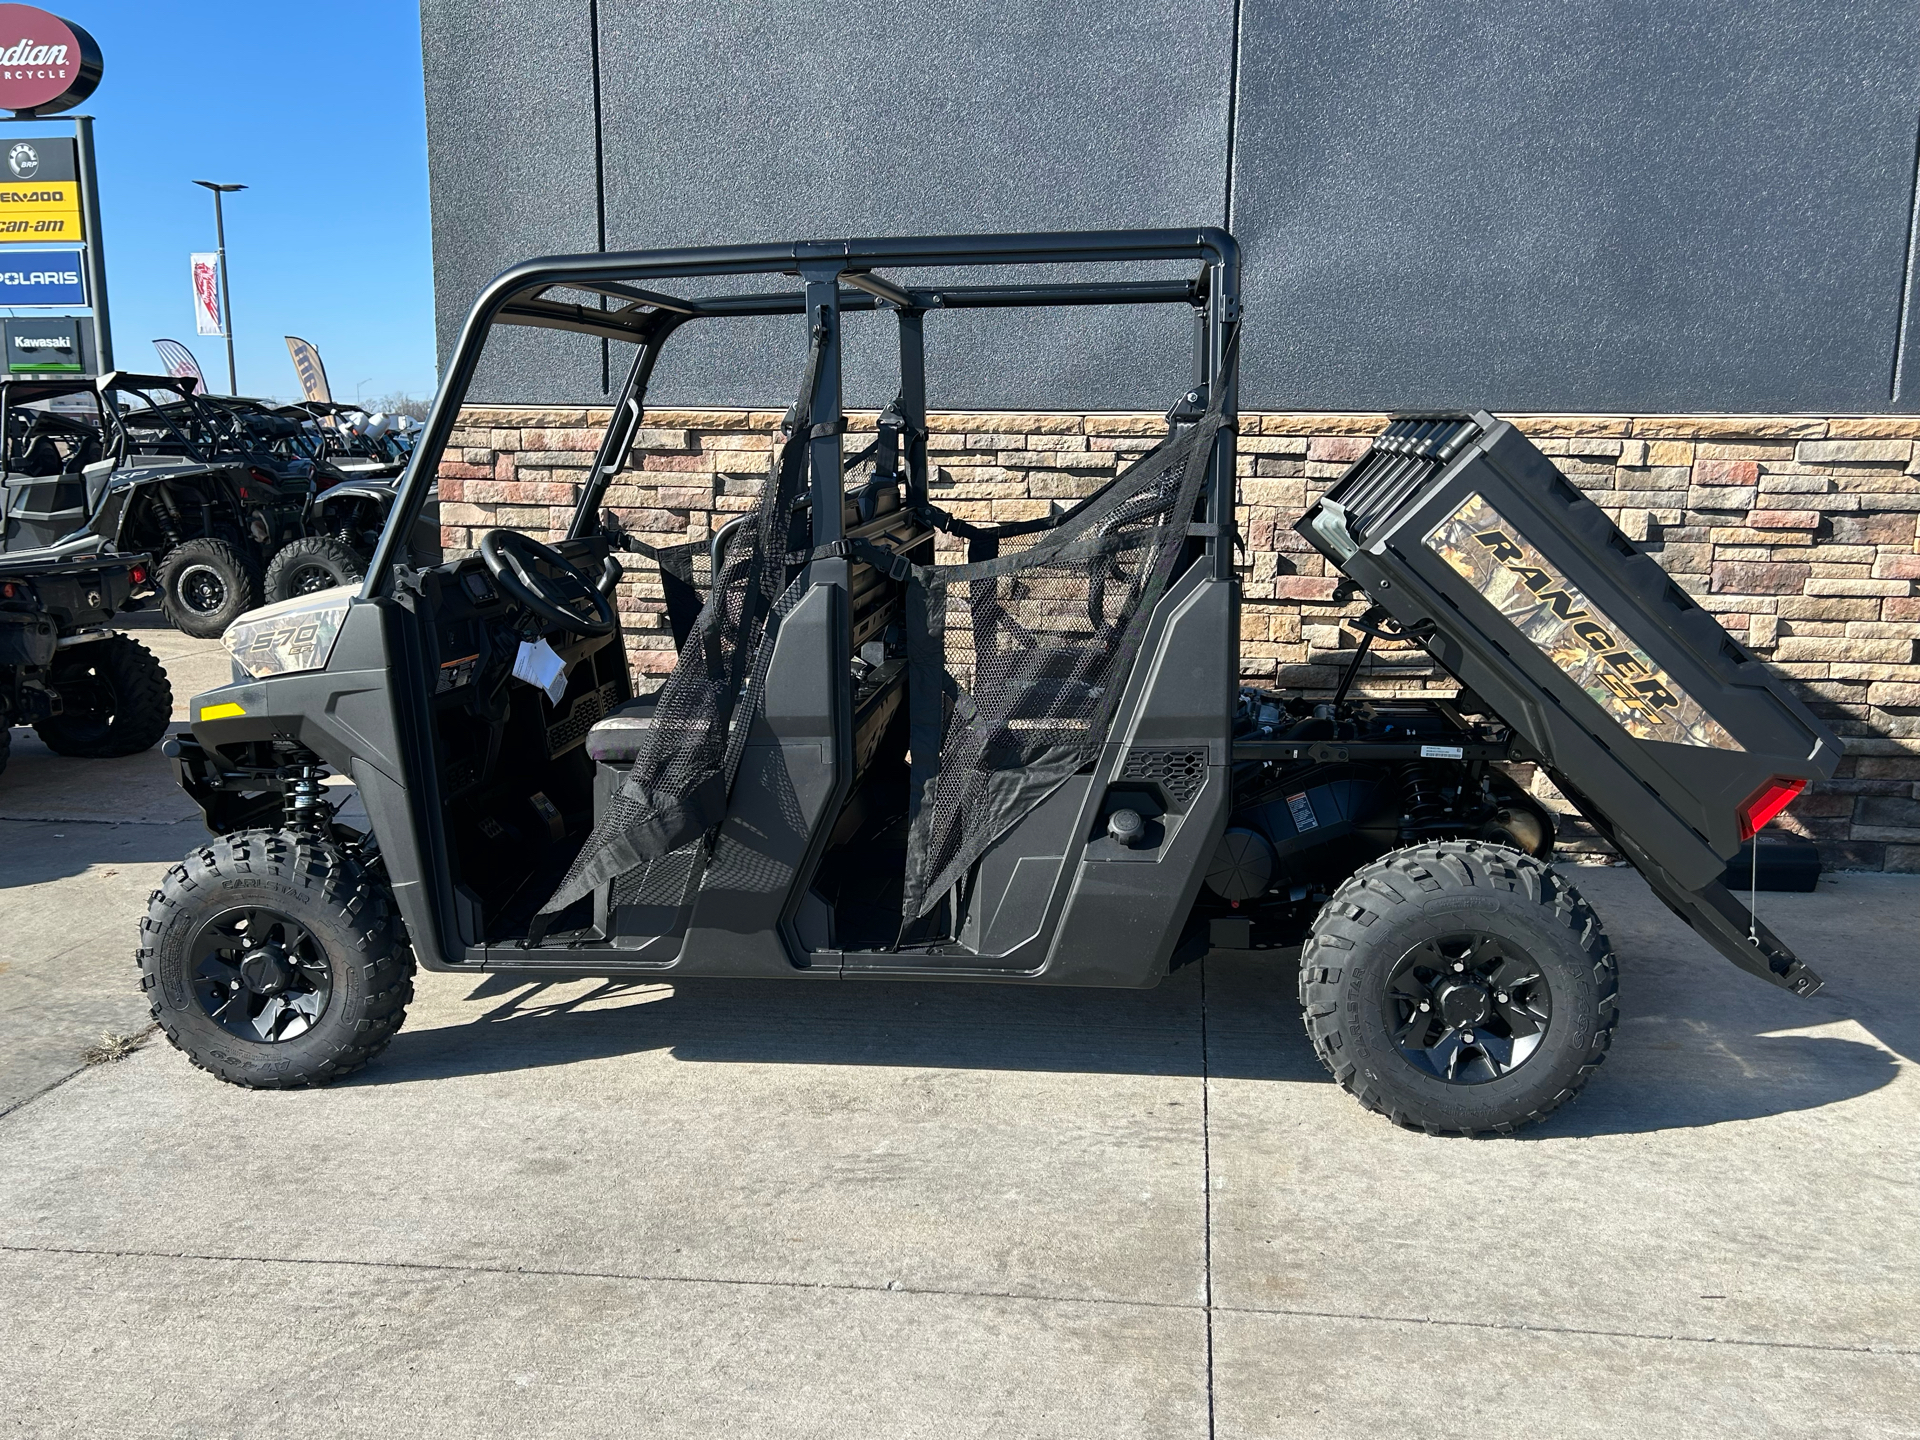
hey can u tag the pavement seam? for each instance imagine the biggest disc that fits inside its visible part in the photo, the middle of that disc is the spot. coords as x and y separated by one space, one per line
649 1278
1206 1192
20 1105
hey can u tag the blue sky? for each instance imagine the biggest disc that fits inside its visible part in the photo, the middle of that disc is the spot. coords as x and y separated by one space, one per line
318 108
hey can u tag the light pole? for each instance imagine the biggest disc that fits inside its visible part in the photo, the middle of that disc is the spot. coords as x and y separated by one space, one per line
226 300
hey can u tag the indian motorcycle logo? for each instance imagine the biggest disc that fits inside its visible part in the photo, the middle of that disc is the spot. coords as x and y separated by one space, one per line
1570 630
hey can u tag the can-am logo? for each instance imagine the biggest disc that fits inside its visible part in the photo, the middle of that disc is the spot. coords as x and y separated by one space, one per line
23 160
46 64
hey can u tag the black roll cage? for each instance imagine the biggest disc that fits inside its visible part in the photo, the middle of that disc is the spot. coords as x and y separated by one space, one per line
835 276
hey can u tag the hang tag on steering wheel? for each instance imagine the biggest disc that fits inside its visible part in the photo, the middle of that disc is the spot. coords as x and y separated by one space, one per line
540 666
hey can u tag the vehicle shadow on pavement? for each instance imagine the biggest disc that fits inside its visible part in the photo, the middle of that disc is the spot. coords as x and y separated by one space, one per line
38 852
1689 1058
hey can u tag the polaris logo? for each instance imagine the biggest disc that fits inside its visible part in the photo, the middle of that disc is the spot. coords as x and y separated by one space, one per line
39 277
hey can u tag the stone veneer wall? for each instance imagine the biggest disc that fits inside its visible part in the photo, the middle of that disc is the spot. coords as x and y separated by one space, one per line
1800 533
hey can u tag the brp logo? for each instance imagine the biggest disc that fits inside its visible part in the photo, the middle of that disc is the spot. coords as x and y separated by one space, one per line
24 161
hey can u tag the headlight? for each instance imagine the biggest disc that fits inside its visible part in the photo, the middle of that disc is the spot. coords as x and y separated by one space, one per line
289 636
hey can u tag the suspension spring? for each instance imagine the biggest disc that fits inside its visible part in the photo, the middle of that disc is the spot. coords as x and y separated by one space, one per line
306 812
1422 803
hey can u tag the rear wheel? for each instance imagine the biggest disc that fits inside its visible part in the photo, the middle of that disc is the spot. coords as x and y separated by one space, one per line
114 699
314 562
1460 988
206 584
273 960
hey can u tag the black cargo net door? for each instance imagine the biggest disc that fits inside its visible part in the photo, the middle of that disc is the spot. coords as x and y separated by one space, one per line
677 790
1017 662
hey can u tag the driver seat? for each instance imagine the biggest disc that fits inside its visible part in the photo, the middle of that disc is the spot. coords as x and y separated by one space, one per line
616 737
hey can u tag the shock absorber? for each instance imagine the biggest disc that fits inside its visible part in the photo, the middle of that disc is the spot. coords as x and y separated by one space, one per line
1422 803
306 812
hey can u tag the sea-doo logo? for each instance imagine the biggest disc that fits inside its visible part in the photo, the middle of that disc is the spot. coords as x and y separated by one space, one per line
1570 630
23 160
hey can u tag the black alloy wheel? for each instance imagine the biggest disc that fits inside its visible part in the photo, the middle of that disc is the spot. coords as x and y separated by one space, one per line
311 564
1467 1008
260 975
309 578
203 589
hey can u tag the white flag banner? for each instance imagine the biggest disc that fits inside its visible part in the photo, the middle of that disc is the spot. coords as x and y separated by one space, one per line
178 362
206 294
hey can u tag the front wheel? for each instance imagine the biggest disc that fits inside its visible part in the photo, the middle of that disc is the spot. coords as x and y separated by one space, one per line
274 959
1459 988
114 700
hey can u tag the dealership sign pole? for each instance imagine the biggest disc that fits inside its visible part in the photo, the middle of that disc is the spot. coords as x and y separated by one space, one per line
50 191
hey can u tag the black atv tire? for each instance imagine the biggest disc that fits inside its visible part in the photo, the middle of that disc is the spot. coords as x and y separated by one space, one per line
1479 911
311 563
207 583
132 701
352 954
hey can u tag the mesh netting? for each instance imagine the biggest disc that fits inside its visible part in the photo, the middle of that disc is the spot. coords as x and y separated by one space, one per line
677 788
1018 661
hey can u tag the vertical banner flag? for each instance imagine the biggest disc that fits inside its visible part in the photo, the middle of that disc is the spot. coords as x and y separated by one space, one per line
306 364
206 293
178 362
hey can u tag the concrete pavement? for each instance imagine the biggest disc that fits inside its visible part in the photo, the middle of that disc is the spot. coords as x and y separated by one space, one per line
608 1209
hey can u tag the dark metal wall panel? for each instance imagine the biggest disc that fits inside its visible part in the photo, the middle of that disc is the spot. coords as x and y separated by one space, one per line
746 121
1525 204
1542 204
511 167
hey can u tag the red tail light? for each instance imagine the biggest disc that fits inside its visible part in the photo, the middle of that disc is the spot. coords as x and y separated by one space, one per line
1766 802
138 575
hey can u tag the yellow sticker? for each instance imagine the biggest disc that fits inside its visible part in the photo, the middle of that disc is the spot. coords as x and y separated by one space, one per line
1570 630
221 712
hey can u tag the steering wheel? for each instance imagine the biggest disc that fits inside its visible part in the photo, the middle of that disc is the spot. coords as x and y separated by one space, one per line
508 555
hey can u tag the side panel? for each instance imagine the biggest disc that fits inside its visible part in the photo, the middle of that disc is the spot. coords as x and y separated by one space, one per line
1075 908
788 790
1126 907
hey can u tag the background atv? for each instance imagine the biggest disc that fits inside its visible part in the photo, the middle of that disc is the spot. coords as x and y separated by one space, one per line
157 470
85 689
357 462
1034 768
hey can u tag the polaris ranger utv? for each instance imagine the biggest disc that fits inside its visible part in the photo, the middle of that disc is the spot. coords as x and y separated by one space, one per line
1036 767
